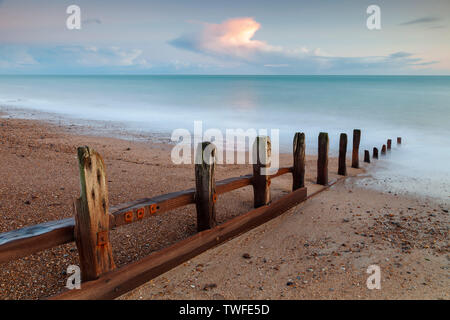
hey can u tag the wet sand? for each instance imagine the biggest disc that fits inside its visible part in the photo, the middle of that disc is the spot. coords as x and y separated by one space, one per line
320 249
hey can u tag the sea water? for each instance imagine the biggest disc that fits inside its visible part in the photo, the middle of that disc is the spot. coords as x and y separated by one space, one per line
417 108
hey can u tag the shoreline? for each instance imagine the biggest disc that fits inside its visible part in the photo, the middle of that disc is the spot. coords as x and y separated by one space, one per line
100 128
40 180
399 171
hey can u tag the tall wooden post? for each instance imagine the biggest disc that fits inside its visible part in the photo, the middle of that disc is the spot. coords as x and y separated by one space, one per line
322 160
399 140
366 156
298 173
261 177
205 184
355 154
342 169
383 150
389 144
92 216
375 153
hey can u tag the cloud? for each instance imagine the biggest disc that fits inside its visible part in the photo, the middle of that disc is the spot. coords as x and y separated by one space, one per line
15 57
421 64
420 21
73 58
232 41
276 65
400 54
107 56
232 37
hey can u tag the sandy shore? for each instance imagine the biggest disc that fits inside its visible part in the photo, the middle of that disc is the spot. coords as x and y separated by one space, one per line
320 249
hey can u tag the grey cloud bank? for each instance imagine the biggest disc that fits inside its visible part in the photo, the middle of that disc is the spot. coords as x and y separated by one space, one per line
421 21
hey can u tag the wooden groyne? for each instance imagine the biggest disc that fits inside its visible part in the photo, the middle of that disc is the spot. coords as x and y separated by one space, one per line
94 218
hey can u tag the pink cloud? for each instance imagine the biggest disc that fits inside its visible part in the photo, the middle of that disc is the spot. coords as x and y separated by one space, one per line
232 37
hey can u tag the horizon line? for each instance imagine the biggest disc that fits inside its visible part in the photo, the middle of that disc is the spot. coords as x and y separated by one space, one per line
222 75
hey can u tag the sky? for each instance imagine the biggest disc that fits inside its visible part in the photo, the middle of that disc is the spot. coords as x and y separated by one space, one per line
225 37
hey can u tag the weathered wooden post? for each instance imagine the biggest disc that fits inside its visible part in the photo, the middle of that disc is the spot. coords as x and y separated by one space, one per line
399 140
92 216
366 156
205 184
375 153
322 160
342 169
389 144
261 178
383 150
298 173
355 154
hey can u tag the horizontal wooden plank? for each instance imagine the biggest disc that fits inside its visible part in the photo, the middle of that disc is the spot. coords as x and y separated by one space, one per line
281 171
151 206
231 184
22 242
25 241
120 281
28 240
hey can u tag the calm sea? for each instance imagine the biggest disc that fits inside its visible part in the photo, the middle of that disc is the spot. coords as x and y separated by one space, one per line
415 108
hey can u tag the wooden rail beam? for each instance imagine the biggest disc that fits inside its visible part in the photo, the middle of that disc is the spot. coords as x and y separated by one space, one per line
147 207
124 279
19 243
25 241
231 184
